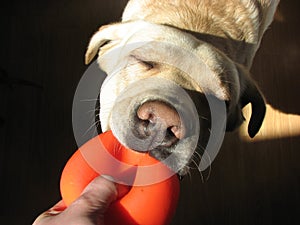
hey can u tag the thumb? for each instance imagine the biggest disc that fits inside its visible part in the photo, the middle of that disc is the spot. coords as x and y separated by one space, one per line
92 204
98 195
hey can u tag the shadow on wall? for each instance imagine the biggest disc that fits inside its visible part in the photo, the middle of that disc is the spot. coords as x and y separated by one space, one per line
250 183
276 66
256 181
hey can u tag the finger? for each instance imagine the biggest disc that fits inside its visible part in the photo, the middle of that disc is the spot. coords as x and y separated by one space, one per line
95 198
89 208
56 209
122 189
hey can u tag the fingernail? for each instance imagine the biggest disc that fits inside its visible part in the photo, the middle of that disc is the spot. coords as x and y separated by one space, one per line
122 189
107 177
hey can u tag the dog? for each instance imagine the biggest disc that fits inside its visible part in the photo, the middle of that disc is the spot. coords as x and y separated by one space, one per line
205 47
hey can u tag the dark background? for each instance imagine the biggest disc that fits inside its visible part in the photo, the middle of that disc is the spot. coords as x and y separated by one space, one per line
42 60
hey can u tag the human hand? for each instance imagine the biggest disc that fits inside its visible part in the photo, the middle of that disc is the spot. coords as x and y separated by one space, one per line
88 209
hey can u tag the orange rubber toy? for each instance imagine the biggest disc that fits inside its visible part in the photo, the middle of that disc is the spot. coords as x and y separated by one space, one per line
154 188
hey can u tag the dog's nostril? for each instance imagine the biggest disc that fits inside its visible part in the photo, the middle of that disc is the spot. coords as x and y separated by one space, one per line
156 117
142 128
177 132
170 138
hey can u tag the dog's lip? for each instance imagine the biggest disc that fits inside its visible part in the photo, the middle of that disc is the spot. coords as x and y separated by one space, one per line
166 146
170 139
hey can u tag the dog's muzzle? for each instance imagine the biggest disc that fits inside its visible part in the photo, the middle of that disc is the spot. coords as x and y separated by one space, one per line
156 113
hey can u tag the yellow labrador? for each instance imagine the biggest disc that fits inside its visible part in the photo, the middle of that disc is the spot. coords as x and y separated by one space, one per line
204 46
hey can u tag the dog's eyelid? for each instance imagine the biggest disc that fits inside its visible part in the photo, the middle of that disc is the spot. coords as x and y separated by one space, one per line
106 42
149 64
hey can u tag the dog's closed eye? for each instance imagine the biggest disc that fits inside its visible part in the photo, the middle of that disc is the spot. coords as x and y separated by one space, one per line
149 65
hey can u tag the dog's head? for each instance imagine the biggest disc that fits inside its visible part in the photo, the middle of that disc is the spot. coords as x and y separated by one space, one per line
142 99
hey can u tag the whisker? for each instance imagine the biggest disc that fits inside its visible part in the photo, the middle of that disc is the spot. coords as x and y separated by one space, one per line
189 173
204 118
91 111
89 100
209 161
198 157
201 175
92 125
205 156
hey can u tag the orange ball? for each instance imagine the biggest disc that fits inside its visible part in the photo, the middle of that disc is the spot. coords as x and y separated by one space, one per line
154 188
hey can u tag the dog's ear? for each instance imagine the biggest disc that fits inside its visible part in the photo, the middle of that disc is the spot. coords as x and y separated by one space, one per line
250 93
116 35
99 40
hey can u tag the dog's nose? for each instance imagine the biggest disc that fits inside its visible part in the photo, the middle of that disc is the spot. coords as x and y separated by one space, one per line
159 118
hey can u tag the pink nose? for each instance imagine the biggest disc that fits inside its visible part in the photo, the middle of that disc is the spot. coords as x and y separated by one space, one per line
159 115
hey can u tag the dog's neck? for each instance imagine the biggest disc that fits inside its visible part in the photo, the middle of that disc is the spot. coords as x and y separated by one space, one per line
235 29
